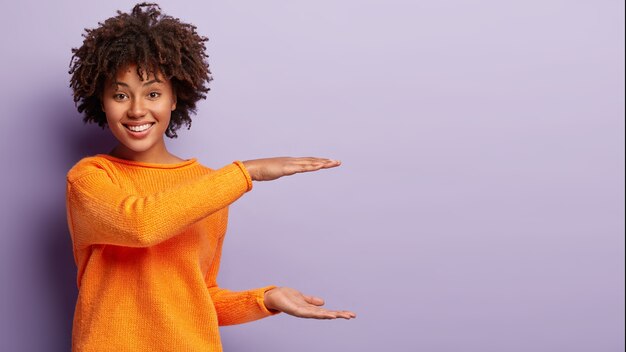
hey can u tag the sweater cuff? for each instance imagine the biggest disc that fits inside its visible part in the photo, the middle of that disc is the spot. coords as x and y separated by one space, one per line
245 172
260 298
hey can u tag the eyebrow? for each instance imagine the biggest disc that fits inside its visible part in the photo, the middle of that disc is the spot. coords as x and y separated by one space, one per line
145 84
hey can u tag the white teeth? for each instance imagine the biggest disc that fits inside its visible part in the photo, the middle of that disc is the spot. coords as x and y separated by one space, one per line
139 128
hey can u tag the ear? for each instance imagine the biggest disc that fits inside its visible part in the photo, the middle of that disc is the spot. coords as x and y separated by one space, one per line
174 95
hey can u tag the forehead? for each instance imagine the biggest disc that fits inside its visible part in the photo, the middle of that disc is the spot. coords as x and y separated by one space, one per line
130 73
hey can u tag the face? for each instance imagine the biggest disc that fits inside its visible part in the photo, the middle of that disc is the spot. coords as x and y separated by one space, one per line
138 113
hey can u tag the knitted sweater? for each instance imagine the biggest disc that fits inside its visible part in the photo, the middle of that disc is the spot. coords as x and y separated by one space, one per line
147 241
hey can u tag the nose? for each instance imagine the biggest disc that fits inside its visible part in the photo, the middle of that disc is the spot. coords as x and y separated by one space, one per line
137 109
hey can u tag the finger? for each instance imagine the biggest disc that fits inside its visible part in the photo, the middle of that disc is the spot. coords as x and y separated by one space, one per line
346 314
301 166
342 314
305 167
292 169
311 167
313 312
314 159
318 164
314 300
331 164
318 160
321 313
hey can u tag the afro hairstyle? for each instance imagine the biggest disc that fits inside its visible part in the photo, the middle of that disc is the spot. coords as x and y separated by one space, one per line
155 43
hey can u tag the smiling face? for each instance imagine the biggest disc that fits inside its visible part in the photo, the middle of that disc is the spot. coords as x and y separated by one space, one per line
138 113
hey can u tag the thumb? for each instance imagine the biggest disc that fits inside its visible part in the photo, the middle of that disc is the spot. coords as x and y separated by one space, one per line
314 300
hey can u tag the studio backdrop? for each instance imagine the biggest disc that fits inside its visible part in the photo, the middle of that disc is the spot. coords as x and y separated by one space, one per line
479 207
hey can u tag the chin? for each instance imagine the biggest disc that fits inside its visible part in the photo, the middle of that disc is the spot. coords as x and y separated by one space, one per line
141 148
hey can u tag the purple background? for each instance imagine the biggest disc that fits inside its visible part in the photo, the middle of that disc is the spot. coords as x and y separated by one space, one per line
480 206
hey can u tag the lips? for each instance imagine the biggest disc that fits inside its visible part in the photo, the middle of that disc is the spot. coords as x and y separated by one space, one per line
139 129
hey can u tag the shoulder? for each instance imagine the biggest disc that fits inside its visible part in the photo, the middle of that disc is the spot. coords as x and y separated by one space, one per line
88 165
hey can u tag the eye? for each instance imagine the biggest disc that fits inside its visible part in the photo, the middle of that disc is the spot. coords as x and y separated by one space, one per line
154 95
119 96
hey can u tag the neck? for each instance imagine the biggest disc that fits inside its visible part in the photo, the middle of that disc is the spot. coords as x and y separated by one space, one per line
158 154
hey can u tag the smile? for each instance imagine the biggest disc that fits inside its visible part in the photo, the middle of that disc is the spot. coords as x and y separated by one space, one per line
139 128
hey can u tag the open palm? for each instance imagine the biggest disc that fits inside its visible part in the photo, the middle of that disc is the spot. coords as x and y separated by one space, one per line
293 302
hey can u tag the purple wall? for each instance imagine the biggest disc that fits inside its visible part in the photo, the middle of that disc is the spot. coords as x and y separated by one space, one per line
480 206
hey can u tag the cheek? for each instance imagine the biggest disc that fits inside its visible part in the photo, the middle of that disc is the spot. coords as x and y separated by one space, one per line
163 112
111 111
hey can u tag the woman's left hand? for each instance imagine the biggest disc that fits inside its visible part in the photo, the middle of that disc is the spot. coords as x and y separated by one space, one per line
293 302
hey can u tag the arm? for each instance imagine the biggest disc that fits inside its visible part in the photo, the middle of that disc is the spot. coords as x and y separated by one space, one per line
235 307
272 168
245 306
100 212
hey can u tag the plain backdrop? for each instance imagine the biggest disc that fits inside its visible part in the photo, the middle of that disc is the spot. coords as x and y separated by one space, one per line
480 205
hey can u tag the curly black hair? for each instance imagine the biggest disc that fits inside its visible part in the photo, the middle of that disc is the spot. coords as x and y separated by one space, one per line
155 43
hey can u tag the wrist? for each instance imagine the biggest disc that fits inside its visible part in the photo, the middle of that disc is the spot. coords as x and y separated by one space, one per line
249 166
267 300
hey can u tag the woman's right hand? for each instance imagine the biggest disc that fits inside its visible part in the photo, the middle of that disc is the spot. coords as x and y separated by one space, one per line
273 168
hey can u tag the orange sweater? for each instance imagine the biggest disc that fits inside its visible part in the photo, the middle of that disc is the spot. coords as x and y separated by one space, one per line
147 241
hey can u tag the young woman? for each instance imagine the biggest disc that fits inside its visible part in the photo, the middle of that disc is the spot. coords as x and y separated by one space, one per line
147 226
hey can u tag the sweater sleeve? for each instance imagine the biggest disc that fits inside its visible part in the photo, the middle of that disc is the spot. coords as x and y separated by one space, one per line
100 212
235 307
